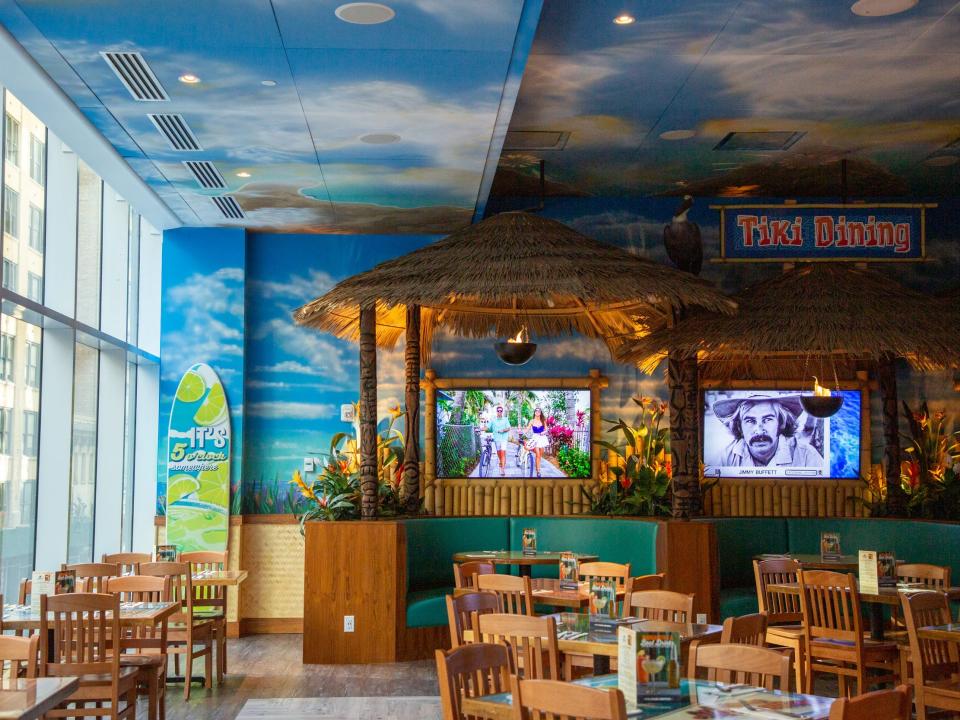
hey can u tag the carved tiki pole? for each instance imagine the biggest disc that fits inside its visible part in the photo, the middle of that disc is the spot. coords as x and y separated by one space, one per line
887 380
411 450
684 435
368 413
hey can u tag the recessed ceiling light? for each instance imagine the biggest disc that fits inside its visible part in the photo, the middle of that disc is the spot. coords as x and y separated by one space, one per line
942 160
879 8
189 79
268 83
677 134
365 13
380 138
243 174
624 19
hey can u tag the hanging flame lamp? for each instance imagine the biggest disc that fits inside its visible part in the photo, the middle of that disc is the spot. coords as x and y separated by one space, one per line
517 350
822 404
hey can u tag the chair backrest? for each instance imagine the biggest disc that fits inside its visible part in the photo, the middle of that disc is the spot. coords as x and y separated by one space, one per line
541 699
780 607
830 607
26 586
464 574
742 664
745 630
19 654
91 577
532 642
894 704
142 588
180 587
462 611
935 577
659 605
84 626
128 561
470 671
206 561
617 572
644 582
515 593
932 659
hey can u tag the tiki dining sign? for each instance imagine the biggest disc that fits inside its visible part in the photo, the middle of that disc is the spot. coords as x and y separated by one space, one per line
783 233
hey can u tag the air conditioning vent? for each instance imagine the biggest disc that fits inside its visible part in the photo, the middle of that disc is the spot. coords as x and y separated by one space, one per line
759 141
206 174
535 140
136 76
228 207
175 129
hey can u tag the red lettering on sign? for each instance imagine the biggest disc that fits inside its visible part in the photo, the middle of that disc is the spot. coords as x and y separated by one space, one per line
779 229
885 233
764 232
903 238
857 233
823 230
747 223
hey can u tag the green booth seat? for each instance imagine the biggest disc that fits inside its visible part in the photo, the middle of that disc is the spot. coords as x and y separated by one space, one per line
739 540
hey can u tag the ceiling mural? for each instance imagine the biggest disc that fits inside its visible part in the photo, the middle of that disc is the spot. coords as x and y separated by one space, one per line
311 122
752 98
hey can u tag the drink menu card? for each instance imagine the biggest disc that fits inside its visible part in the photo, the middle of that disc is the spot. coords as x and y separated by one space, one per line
869 582
65 581
603 597
166 553
830 546
529 541
886 569
42 582
648 666
569 571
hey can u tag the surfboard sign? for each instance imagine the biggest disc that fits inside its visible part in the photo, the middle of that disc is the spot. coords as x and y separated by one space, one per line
198 463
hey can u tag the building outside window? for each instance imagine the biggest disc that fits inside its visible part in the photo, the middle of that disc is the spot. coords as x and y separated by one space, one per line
11 140
7 344
36 228
30 433
38 162
6 431
10 275
34 287
11 212
32 373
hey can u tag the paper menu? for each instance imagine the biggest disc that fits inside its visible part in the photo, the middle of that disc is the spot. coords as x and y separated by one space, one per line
529 541
569 572
886 569
42 582
869 582
830 546
603 597
648 666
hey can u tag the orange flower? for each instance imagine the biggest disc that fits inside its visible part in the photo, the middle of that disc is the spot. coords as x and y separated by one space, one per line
910 471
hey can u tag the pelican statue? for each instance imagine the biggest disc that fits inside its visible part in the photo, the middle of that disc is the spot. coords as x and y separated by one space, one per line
682 240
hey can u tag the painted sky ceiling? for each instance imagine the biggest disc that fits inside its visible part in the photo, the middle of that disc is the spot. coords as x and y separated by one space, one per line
434 75
881 92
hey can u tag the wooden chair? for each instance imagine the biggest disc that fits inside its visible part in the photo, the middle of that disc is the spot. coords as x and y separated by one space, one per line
532 642
659 605
462 611
144 647
936 663
464 574
128 561
92 577
742 664
84 626
187 634
617 572
639 583
542 699
515 593
23 598
745 630
210 602
18 656
784 617
470 671
935 577
834 637
878 705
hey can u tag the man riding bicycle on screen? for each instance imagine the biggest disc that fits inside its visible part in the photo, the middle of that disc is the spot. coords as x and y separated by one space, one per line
500 428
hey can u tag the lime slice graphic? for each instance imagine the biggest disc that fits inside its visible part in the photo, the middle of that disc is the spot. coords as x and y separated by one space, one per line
215 537
215 486
191 388
180 486
214 408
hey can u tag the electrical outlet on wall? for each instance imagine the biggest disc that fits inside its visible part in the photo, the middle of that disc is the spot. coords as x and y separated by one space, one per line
701 618
308 464
348 623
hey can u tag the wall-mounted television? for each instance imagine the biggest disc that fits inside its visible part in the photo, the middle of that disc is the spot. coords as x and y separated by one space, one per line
766 433
501 432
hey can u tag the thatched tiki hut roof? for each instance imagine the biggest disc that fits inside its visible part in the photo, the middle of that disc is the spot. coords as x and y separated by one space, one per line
816 310
509 271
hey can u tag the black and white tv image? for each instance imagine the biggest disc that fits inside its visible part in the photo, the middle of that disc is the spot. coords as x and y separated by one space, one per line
492 433
767 433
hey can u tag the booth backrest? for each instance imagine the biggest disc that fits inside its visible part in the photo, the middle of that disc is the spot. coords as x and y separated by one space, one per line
613 540
739 540
431 543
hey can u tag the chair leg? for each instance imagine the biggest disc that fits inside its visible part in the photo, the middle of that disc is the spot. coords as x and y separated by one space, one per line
188 673
208 666
176 664
842 685
152 694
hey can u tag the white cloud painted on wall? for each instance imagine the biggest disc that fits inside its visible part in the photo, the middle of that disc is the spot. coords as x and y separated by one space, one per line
292 410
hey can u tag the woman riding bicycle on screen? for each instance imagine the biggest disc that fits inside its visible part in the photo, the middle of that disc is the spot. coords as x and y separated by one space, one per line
537 431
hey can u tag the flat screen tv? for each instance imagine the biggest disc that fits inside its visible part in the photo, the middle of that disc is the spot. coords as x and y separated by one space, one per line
492 433
758 433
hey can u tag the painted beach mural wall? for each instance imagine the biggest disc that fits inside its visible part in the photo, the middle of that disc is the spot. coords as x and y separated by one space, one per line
292 381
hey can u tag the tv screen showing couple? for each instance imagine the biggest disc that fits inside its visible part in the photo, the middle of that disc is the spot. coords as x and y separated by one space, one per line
513 433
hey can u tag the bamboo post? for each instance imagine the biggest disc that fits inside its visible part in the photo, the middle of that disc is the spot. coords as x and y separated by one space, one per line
368 412
684 435
887 380
411 448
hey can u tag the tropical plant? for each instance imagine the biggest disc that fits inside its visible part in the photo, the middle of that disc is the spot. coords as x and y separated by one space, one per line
638 478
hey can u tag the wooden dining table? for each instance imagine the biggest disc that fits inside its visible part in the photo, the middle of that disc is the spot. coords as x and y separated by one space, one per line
547 591
23 617
22 699
517 557
219 578
697 699
949 632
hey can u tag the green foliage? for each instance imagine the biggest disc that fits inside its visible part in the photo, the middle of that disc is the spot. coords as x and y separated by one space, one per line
574 461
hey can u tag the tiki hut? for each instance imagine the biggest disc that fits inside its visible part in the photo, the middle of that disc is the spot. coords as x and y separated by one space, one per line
513 271
813 320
